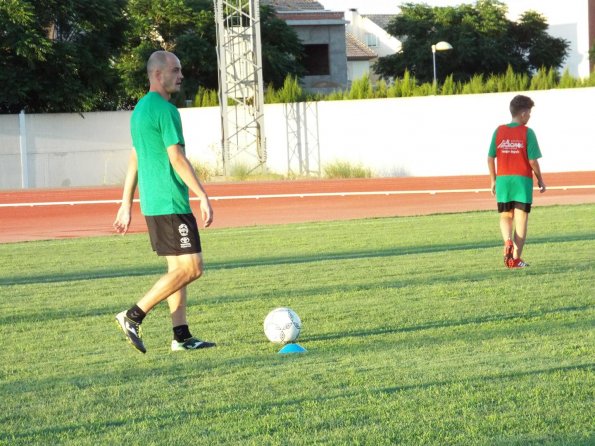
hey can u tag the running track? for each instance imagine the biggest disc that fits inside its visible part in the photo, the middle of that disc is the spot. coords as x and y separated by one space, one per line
41 214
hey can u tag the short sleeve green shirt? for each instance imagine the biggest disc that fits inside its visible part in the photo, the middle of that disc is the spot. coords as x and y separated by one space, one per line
156 125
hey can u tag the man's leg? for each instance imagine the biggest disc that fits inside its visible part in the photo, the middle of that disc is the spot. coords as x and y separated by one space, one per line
177 303
183 339
181 271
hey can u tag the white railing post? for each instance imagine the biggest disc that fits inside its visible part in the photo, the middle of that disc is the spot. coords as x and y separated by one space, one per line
23 147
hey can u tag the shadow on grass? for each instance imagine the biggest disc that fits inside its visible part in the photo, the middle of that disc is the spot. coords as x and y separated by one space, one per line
527 315
273 261
167 418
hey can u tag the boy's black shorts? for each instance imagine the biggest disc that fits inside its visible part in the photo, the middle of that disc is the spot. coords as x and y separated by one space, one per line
509 206
174 235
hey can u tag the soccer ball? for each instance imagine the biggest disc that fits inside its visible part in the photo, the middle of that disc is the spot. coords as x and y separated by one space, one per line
282 325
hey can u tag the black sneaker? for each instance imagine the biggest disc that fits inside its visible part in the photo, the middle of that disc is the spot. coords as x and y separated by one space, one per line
190 344
132 331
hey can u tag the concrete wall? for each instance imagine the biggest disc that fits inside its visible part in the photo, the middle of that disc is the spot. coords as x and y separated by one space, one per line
334 36
66 149
10 158
424 136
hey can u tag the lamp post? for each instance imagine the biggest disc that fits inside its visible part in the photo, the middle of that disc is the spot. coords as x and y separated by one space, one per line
440 46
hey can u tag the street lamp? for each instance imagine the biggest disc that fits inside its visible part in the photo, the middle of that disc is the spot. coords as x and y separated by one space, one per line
440 46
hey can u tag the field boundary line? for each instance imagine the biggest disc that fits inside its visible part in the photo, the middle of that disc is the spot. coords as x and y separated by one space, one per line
295 195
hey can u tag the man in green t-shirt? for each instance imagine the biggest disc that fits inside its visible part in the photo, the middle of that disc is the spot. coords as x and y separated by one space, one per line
159 166
515 150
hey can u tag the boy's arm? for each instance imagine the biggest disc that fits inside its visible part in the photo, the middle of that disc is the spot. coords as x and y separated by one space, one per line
184 169
535 166
492 169
124 216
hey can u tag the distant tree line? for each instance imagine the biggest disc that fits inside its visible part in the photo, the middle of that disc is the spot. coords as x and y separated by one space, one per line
73 56
484 42
68 56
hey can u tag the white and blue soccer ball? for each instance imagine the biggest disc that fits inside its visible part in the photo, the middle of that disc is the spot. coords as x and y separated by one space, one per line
282 325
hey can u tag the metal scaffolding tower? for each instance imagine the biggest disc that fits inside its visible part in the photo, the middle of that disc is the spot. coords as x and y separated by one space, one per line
241 95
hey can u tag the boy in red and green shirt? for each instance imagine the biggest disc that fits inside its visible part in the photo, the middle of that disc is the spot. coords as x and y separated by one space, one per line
515 152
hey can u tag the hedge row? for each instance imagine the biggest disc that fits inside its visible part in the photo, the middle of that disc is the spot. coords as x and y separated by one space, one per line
407 86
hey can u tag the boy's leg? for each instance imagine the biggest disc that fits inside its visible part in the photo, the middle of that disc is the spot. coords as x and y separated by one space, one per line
521 219
506 226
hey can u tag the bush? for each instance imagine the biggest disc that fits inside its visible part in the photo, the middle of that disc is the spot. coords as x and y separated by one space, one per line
203 171
407 86
361 88
567 81
344 169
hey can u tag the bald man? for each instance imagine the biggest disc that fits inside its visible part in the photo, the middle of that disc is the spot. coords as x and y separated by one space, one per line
159 166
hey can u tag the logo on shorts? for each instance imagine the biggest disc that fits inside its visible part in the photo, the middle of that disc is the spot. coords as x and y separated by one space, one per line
184 240
183 230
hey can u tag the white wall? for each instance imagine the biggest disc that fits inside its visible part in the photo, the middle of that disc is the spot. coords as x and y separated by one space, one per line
450 135
423 136
357 69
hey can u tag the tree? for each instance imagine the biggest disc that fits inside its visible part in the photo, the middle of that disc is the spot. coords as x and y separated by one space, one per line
484 42
282 51
57 56
184 27
187 27
536 46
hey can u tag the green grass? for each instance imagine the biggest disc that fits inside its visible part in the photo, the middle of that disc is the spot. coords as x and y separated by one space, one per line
416 334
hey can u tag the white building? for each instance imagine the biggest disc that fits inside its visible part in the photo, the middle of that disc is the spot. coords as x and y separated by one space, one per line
367 31
572 20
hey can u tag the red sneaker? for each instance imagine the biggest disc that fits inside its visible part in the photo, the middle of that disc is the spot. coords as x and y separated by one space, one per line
508 249
518 263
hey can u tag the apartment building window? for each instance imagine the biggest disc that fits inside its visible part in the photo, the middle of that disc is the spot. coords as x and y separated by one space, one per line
371 40
316 60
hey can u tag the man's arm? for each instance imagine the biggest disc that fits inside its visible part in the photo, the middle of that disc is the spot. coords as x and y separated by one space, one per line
184 169
492 169
124 216
535 166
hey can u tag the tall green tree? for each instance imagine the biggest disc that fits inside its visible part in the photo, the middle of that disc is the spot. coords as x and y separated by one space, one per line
58 55
282 51
187 27
484 42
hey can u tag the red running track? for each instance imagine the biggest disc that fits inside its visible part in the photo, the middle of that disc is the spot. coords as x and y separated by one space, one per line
40 214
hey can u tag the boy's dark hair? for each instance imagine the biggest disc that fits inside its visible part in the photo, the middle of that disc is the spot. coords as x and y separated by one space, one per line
519 104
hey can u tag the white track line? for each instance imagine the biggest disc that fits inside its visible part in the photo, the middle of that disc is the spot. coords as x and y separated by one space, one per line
304 195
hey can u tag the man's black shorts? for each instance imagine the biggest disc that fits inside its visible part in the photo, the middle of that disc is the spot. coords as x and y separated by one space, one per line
510 205
174 235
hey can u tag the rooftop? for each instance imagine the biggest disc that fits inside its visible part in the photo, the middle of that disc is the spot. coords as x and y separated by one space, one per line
357 50
294 5
382 20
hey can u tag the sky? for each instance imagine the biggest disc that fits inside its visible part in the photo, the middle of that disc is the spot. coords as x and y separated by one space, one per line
381 6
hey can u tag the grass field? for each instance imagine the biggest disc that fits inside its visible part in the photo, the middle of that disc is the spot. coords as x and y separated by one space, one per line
416 334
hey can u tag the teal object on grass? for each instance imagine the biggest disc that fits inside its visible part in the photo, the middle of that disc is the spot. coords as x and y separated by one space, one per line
292 348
